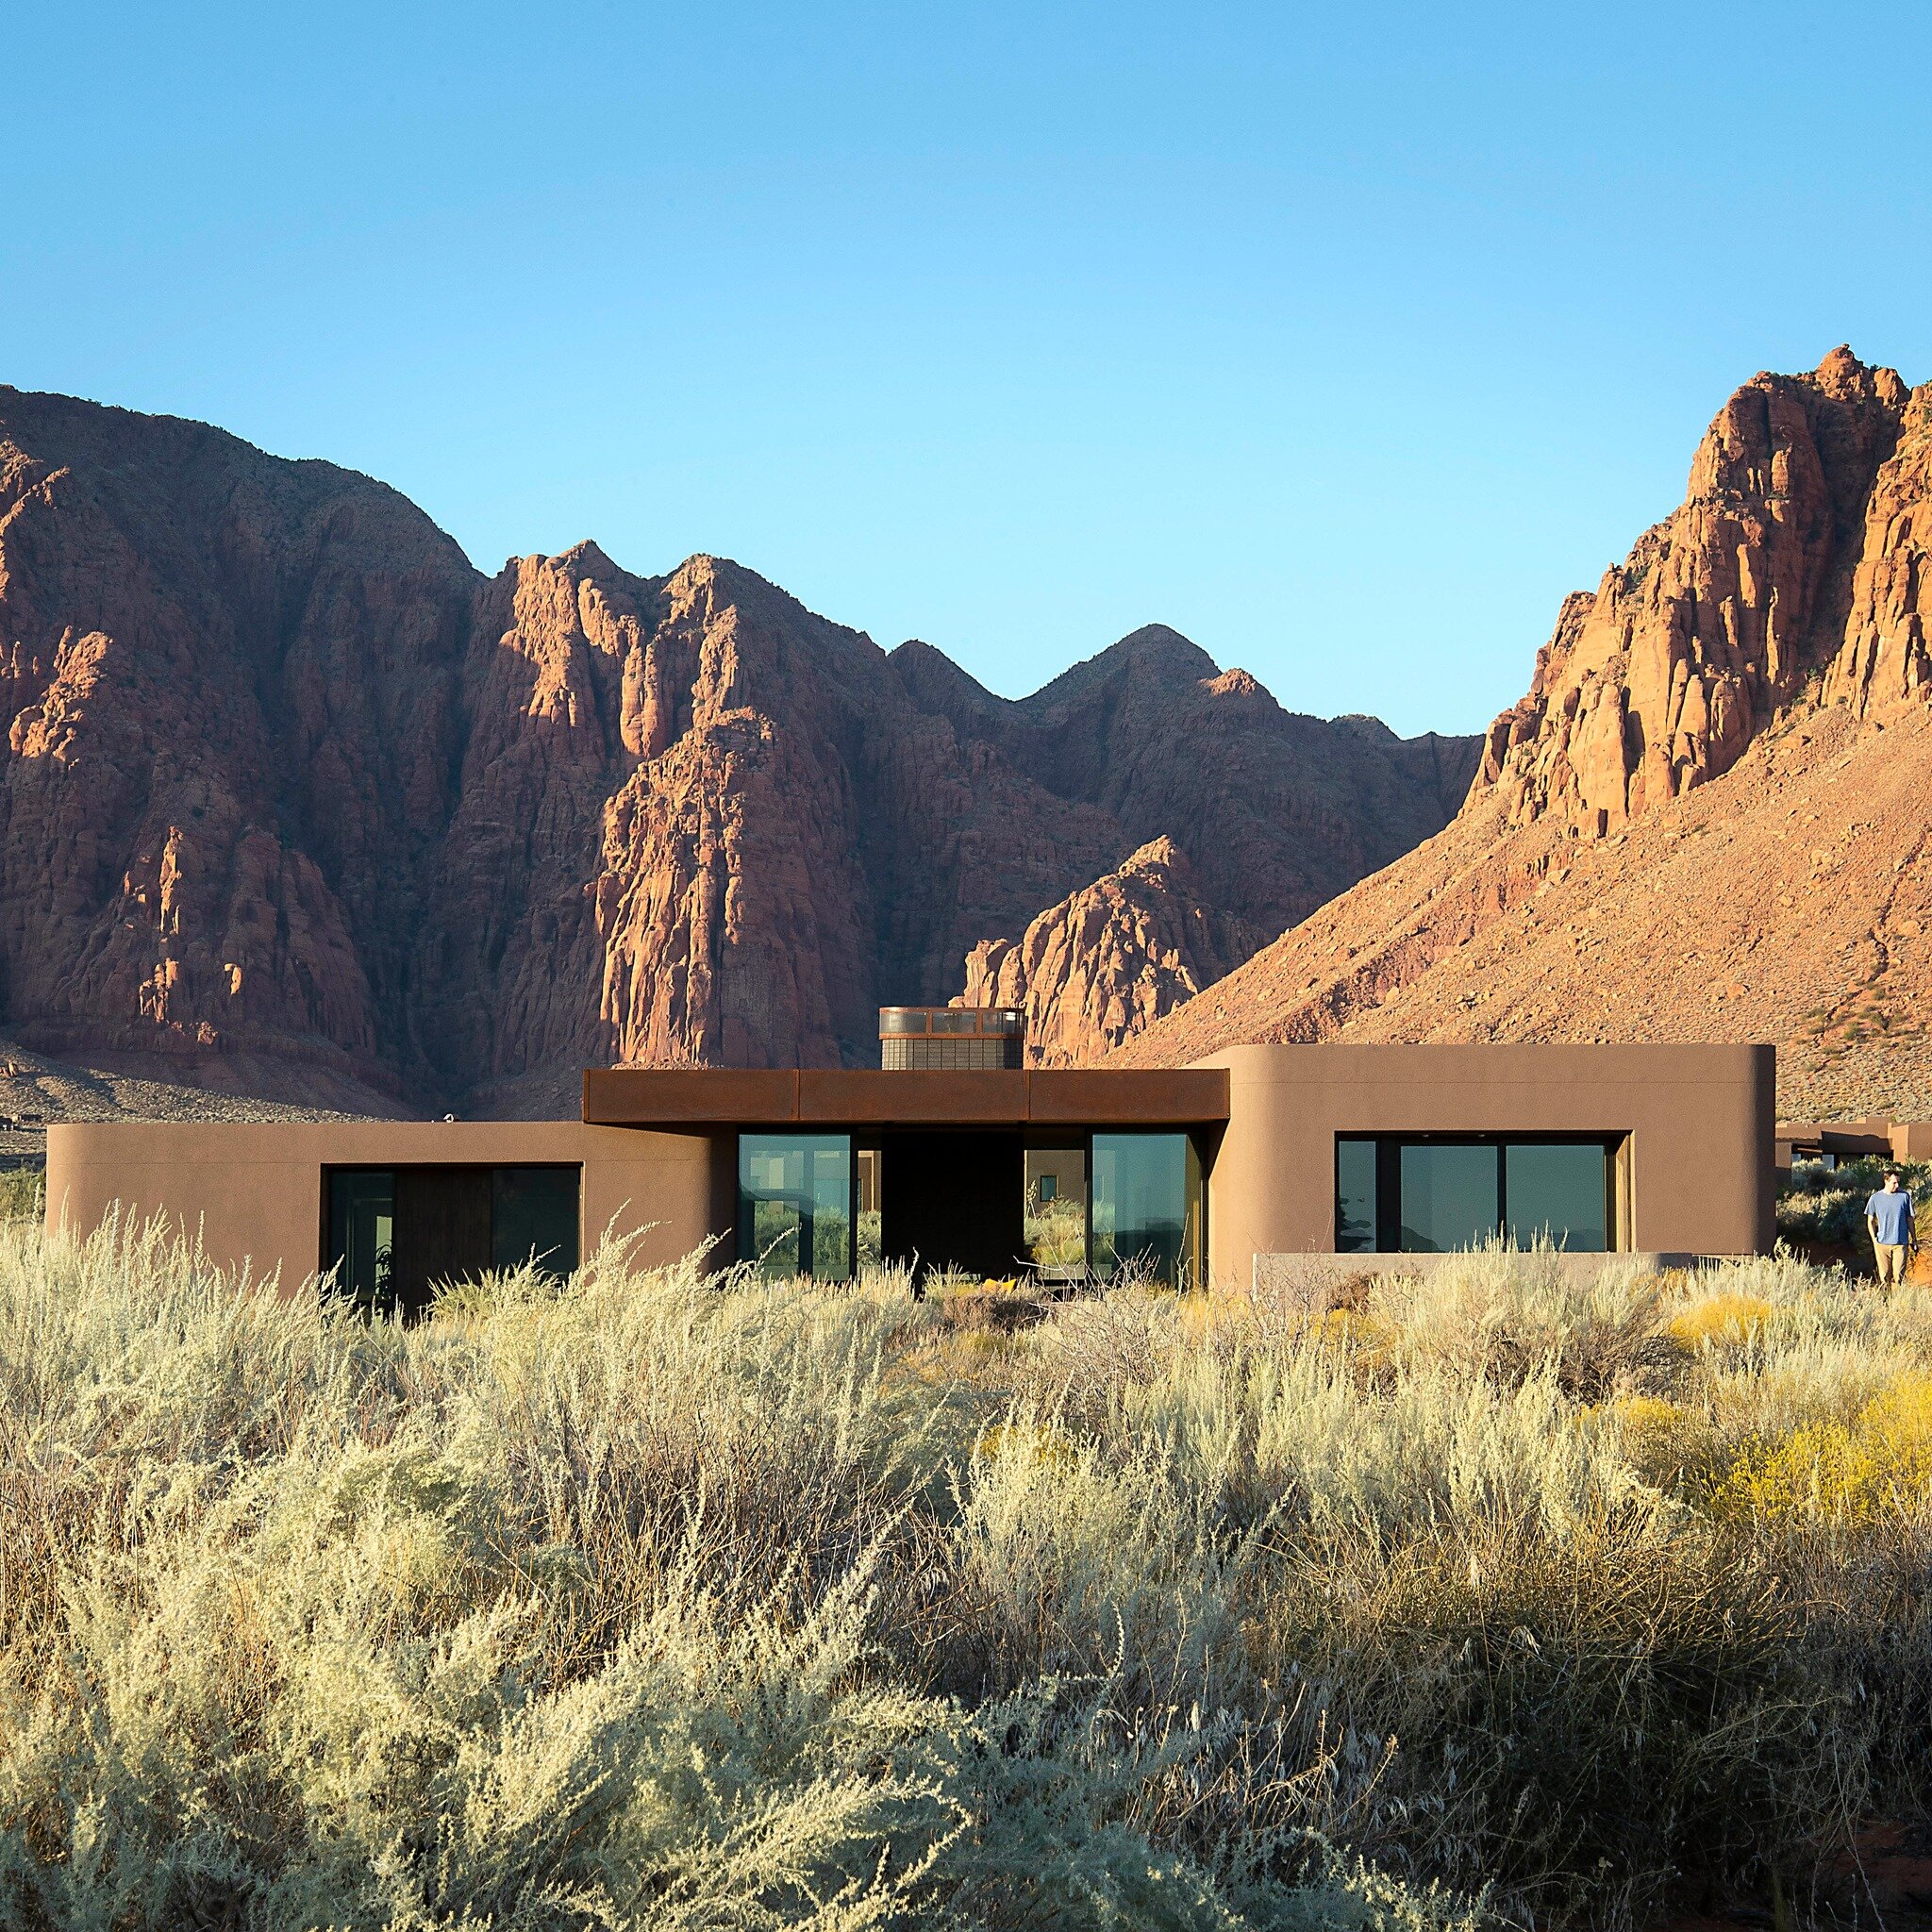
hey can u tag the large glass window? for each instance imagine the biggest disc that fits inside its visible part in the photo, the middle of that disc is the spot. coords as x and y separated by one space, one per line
1556 1192
533 1218
1432 1193
1355 1196
1147 1209
795 1204
1448 1198
361 1233
396 1235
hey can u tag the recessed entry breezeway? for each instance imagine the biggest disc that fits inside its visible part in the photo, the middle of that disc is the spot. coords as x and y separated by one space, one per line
1056 1174
982 1202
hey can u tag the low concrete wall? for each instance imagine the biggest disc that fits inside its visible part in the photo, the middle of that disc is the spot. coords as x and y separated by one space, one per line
253 1192
1315 1280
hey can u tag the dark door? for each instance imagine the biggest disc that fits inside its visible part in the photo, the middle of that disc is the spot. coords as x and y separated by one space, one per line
442 1230
954 1201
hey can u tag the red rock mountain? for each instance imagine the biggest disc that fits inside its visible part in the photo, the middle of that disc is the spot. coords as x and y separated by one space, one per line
297 803
1111 958
1710 817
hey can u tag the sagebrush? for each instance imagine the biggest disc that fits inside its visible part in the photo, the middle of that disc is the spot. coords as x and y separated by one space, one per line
659 1600
1817 1203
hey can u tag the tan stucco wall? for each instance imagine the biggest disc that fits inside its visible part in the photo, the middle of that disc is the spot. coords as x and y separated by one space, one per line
1068 1166
1699 1121
253 1191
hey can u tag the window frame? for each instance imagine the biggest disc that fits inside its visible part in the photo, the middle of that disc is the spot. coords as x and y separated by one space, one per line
745 1248
1388 1169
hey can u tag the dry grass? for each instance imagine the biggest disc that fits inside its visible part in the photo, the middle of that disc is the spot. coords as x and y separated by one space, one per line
663 1601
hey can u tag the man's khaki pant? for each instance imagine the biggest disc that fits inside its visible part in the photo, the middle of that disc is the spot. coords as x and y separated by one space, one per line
1891 1264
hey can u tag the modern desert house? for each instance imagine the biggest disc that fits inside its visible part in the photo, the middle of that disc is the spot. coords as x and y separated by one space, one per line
953 1155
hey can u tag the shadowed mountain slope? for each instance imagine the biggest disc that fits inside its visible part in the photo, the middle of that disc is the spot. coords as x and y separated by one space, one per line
296 802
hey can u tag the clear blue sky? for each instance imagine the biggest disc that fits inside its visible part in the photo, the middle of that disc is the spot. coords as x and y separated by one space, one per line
1344 339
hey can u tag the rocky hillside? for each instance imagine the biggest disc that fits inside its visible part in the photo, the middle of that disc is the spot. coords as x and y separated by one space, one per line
1111 958
1250 808
296 803
1708 819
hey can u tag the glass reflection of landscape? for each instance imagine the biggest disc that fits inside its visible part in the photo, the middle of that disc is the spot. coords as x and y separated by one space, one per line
794 1204
1055 1223
1557 1193
1145 1211
1448 1198
1434 1196
1355 1196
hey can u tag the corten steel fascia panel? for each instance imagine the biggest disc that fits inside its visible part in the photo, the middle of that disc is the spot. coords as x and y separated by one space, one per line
689 1096
867 1096
1107 1096
917 1096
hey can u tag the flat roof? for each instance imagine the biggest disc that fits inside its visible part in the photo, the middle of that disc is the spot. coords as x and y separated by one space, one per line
871 1097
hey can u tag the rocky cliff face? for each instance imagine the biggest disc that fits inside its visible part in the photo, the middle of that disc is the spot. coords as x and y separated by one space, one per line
1111 958
294 799
1271 808
233 692
1657 680
1238 818
1710 816
1882 661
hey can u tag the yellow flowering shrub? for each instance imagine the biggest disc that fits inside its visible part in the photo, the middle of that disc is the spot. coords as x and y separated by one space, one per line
1898 1424
1639 1415
1719 1318
1357 1331
1036 1442
1851 1473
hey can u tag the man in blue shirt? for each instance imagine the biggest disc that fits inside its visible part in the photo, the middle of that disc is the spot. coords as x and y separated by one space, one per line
1889 1219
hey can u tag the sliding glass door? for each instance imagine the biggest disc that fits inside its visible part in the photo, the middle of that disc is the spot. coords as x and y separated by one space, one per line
1147 1209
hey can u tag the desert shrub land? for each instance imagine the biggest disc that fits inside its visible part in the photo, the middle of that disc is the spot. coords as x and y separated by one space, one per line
22 1192
655 1599
1817 1203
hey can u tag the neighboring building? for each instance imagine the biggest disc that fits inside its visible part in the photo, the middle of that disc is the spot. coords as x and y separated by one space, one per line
1837 1140
1194 1174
